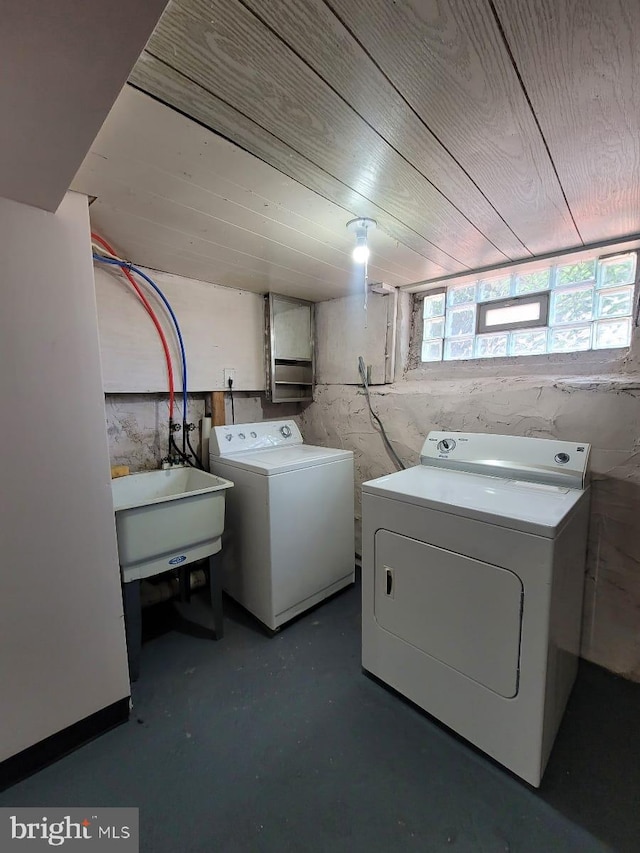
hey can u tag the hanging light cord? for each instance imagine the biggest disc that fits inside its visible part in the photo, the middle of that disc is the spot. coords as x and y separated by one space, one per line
366 291
385 437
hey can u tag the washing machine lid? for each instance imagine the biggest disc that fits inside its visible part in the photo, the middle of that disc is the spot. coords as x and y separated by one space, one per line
537 508
280 460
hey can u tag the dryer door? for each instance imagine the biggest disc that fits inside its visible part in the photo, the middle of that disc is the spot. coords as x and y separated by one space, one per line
464 613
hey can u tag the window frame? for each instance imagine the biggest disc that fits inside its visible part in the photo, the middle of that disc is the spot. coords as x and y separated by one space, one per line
542 298
602 282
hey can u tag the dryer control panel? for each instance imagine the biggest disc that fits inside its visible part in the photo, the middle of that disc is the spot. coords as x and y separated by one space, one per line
238 438
537 460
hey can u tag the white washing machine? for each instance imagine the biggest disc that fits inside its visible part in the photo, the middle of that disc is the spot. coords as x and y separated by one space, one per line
472 584
289 538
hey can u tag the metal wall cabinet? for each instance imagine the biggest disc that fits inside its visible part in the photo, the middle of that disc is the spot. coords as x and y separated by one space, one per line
289 337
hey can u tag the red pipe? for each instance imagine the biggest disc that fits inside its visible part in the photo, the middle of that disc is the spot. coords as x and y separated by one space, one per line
151 313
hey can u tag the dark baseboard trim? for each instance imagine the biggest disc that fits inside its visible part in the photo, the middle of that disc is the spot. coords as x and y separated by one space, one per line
50 749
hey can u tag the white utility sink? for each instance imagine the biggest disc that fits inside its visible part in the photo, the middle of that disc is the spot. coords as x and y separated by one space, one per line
166 519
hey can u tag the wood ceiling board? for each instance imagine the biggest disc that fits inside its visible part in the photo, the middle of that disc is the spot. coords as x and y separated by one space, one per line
137 188
265 216
449 61
148 142
309 258
155 148
174 89
315 33
149 243
62 65
238 59
580 62
136 229
189 266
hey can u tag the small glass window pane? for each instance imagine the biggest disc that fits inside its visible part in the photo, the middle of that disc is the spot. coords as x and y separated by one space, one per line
432 350
461 321
461 294
491 346
612 333
532 282
575 273
522 313
433 306
570 340
571 306
433 328
616 271
615 303
461 348
528 342
495 288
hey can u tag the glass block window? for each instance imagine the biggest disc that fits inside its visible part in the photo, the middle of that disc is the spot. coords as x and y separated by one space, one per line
565 307
532 282
495 288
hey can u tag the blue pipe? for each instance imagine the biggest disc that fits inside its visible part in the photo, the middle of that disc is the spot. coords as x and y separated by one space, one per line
126 265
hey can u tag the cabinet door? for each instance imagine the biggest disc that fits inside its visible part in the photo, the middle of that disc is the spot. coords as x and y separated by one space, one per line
290 348
346 331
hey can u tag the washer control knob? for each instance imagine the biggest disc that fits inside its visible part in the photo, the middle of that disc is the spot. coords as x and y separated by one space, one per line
254 434
446 445
240 435
285 431
562 458
228 436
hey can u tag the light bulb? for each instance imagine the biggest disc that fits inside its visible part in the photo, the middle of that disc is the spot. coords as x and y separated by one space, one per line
359 227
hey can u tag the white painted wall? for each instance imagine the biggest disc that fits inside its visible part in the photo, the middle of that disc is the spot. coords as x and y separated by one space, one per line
345 331
222 327
63 65
62 646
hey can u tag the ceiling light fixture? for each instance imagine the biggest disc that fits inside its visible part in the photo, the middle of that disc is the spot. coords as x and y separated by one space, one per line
360 227
360 254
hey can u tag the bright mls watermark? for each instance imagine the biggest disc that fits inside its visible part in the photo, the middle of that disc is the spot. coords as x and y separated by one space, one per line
74 829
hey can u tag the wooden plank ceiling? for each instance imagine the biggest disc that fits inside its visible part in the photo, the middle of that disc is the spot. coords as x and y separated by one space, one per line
173 196
474 131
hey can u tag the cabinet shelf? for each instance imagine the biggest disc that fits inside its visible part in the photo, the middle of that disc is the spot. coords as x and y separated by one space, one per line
289 348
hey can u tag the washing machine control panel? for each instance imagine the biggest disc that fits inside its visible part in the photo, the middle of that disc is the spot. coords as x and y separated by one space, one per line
239 438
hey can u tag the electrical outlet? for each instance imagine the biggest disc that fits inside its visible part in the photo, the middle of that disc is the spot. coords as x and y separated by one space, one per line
229 374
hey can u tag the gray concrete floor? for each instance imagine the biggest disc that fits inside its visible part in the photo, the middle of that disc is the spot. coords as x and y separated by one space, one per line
282 744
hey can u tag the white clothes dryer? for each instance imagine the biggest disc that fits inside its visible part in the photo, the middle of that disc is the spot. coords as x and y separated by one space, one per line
289 531
472 585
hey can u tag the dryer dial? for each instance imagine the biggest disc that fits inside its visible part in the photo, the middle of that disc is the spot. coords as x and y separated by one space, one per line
446 445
